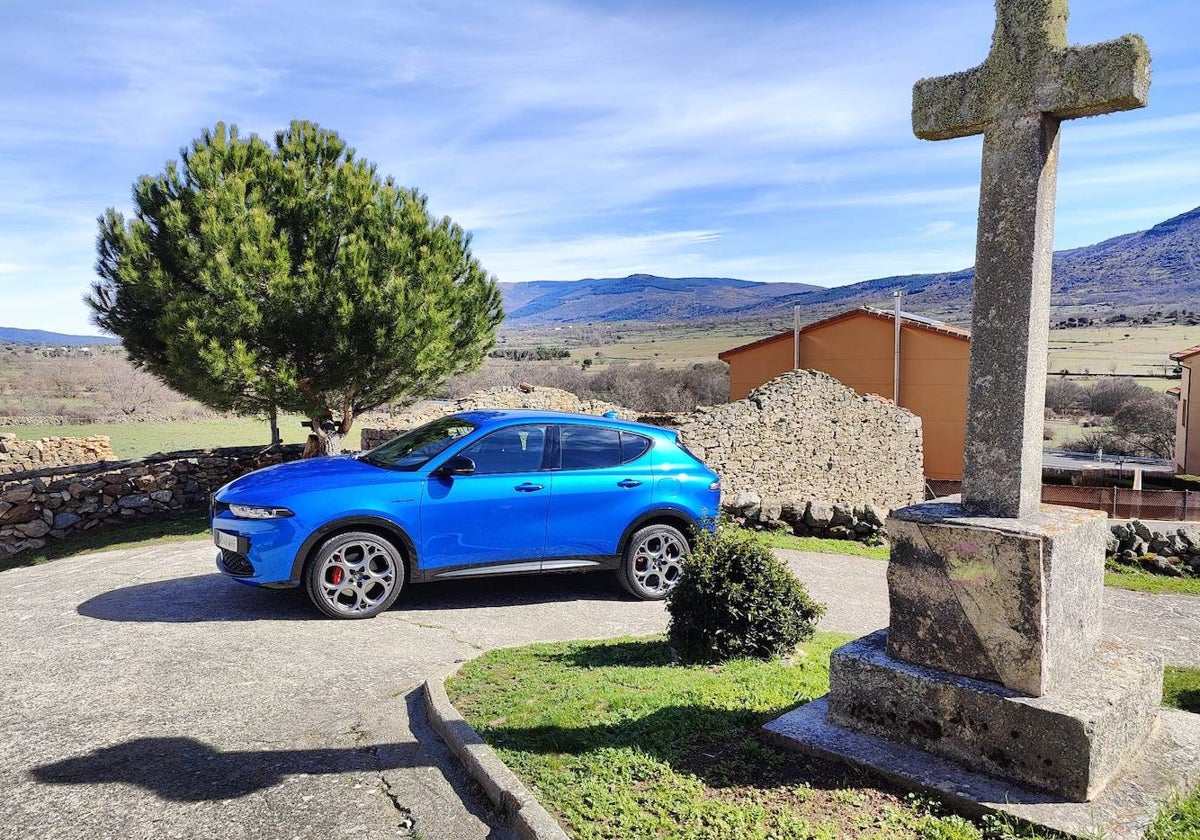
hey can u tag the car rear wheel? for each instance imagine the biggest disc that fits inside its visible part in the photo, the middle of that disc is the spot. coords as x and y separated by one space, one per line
653 561
355 575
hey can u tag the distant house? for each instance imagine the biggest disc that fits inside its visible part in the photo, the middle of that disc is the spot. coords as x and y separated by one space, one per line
1187 425
857 349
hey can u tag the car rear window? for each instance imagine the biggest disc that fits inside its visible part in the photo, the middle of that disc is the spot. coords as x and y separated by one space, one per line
590 447
633 446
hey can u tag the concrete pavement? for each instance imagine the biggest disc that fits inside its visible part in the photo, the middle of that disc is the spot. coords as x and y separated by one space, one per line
146 696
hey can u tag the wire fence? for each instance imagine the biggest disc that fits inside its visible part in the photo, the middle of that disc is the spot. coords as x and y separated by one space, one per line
1118 502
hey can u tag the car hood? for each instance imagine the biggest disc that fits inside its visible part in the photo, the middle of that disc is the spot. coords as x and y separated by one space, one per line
272 485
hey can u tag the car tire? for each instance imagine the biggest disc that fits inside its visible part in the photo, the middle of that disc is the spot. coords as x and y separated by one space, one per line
357 574
653 561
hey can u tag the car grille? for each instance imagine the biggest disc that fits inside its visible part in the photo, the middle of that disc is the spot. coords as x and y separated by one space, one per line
236 564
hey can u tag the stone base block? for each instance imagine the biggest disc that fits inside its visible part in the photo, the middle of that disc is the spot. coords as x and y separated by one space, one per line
1015 601
1168 764
1069 742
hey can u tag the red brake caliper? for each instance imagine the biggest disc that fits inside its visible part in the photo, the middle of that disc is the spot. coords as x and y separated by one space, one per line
335 575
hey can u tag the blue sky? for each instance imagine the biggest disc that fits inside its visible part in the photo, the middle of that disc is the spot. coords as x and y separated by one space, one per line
760 140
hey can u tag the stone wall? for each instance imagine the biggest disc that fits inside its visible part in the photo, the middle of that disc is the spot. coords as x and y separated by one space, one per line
546 399
804 437
1162 548
51 504
18 455
802 452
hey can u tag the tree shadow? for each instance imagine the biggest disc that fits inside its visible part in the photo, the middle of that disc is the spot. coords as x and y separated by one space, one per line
194 599
188 770
641 653
719 747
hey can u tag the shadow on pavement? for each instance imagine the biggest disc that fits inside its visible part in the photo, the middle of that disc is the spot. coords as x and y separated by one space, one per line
509 591
187 770
201 598
216 598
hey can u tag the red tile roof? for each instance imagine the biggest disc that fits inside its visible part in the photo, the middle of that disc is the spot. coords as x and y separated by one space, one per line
1185 354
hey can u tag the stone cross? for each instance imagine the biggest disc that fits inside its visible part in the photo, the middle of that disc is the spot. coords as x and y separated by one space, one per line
1030 81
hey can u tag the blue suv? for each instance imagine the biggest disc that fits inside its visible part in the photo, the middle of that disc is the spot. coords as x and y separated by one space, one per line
472 494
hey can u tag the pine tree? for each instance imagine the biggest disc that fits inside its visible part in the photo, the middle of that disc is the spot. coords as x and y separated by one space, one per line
259 278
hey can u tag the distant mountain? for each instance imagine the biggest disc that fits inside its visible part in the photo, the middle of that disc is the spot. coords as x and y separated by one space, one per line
1159 268
639 297
13 335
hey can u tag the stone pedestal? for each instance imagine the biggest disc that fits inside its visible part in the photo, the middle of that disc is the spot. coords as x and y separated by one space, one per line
1069 742
1015 601
994 684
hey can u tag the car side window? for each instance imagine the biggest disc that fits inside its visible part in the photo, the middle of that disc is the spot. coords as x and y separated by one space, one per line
516 449
633 446
589 447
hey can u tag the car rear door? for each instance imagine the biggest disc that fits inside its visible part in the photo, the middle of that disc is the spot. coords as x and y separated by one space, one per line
495 517
603 483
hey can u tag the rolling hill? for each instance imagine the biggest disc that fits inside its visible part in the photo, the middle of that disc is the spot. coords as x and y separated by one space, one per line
1155 268
13 335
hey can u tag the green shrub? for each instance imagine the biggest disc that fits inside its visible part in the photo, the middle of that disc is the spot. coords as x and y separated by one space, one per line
1185 482
736 599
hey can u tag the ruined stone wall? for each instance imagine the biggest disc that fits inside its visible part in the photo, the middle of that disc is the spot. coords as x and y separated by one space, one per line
804 437
51 504
18 455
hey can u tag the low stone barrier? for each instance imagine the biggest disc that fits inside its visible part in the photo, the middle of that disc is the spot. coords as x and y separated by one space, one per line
1163 548
807 518
18 455
52 504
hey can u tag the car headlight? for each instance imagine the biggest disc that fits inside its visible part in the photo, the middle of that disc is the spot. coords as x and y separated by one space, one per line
259 512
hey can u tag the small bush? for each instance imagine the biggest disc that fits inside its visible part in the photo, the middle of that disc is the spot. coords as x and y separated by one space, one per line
736 599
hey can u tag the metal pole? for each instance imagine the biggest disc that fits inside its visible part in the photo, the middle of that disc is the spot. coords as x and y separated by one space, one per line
896 295
796 337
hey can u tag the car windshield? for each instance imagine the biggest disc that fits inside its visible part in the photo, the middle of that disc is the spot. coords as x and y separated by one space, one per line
413 449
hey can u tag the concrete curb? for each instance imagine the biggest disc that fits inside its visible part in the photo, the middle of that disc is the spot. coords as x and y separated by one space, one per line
526 816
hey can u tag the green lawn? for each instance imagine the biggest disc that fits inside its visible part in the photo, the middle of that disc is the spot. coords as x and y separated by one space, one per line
619 740
778 539
1125 577
134 440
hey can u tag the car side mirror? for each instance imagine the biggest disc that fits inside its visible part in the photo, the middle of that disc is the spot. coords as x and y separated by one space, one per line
458 465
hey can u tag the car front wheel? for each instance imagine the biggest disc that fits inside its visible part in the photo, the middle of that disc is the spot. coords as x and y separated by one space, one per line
355 575
653 561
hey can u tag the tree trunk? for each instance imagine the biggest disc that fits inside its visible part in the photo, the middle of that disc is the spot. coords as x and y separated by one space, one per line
322 441
276 438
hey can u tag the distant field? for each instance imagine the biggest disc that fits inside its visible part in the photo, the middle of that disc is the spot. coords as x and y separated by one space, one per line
668 346
134 440
1120 349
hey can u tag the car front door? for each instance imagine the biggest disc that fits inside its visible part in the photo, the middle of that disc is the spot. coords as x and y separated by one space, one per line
603 483
495 517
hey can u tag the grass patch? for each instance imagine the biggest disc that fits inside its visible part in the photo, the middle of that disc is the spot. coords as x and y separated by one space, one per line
189 524
780 539
1181 689
620 741
1129 578
135 440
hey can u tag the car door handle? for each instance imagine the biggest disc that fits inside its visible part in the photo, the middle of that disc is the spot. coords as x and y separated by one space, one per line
629 482
528 487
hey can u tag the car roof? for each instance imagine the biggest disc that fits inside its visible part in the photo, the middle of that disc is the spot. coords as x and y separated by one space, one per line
508 416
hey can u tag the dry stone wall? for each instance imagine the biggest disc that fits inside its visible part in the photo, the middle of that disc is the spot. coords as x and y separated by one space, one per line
18 455
803 452
51 504
806 451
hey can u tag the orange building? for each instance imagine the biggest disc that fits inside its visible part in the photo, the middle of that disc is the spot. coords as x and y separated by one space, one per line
858 349
1187 425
